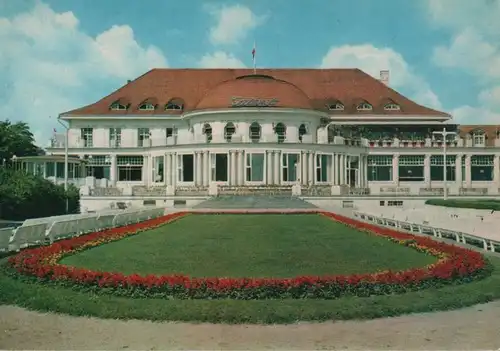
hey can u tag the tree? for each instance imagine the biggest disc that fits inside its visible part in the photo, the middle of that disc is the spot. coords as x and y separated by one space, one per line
16 139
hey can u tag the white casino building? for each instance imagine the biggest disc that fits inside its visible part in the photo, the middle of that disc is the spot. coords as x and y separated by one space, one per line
190 133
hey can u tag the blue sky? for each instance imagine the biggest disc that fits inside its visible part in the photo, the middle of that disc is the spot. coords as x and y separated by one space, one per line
59 54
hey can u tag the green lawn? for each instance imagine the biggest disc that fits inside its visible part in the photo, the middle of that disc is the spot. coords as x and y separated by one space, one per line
250 246
478 204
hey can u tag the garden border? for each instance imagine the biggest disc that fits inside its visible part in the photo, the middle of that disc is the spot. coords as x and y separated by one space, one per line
455 265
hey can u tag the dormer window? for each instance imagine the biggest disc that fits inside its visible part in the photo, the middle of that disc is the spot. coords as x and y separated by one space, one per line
391 107
364 106
478 138
147 107
336 107
174 105
118 107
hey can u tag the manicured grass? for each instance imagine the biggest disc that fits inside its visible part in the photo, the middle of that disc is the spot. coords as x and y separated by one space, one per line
24 291
246 245
478 204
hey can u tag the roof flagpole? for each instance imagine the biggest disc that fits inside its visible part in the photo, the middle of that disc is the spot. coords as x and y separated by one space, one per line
253 58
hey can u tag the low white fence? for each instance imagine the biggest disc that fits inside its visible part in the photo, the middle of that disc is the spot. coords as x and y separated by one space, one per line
39 231
467 226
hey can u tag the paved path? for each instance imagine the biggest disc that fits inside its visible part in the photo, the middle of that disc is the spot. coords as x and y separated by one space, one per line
468 329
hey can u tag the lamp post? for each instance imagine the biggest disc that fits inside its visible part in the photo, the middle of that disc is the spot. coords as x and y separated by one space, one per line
444 133
65 162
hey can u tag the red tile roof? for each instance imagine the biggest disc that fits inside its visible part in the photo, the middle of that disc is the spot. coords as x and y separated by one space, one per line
295 88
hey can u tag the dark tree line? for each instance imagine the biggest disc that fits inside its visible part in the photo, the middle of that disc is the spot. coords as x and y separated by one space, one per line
25 195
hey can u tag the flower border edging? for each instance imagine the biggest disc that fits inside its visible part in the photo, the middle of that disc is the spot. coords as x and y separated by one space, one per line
454 265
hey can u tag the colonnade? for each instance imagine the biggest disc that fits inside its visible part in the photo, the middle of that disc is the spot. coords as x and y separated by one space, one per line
340 167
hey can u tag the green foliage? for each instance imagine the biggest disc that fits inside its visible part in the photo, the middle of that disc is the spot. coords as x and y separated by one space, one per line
25 196
16 139
481 204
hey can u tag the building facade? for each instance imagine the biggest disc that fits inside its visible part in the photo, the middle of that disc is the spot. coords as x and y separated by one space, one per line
326 132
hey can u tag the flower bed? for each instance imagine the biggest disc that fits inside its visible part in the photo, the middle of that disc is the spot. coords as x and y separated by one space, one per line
454 265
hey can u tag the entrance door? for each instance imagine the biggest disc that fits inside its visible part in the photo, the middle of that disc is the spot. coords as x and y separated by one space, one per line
221 167
353 176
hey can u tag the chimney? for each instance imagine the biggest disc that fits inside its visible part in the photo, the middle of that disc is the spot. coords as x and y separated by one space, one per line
384 77
128 81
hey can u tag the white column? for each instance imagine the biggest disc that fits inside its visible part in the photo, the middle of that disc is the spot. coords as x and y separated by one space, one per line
427 170
365 172
174 169
335 169
277 167
360 172
112 171
206 165
197 170
269 171
241 167
468 178
303 164
458 170
312 174
395 169
232 178
168 169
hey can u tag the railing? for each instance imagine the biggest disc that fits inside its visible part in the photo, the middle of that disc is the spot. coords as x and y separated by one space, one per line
140 190
270 190
41 231
413 225
317 190
191 191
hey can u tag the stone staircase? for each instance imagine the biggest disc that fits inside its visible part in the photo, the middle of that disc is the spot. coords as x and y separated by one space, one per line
254 202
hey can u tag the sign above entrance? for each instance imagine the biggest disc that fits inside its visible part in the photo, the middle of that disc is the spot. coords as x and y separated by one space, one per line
252 102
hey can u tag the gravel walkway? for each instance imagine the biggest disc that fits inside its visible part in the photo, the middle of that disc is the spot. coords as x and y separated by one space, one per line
468 329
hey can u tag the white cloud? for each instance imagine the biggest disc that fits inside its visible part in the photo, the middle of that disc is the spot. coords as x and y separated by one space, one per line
474 49
50 66
372 60
220 59
232 24
475 115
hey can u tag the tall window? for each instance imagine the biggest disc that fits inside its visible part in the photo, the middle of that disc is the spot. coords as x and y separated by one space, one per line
87 135
255 167
158 169
143 135
207 130
229 130
437 171
255 132
171 132
481 168
98 166
185 168
129 168
219 164
478 138
280 130
411 168
379 168
115 137
302 131
321 168
289 167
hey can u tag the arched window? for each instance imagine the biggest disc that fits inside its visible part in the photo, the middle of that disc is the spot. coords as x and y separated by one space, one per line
391 107
174 104
229 130
331 133
207 130
364 106
255 132
336 106
280 130
147 107
117 106
478 138
302 131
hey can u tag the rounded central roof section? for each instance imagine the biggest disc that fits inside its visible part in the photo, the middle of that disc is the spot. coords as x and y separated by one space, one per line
255 91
